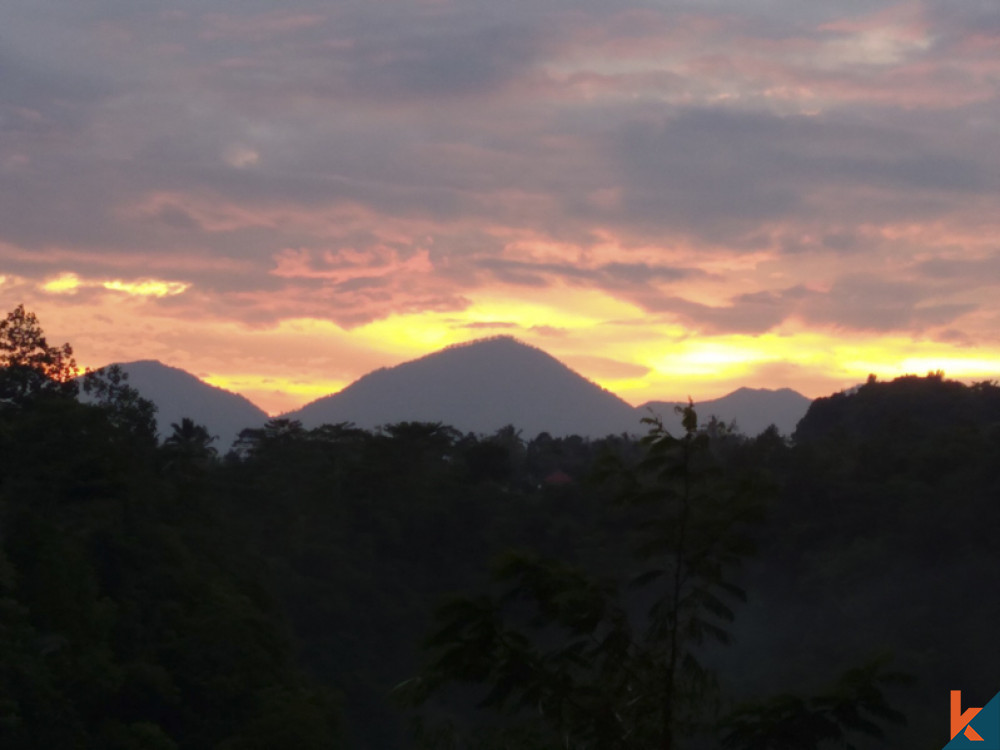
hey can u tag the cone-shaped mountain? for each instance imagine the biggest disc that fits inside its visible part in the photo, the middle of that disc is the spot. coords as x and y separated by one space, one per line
479 387
178 394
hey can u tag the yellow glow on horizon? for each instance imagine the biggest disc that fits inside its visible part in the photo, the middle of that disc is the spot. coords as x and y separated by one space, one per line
567 308
908 357
701 357
65 283
409 333
285 365
147 287
709 367
416 334
953 367
276 394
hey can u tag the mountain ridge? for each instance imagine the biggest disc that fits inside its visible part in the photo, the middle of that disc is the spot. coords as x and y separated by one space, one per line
178 393
752 409
475 386
479 386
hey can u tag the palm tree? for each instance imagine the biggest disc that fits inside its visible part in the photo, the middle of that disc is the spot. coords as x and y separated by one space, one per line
190 443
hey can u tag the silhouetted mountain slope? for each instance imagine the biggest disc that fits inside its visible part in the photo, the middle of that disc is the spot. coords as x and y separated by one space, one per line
178 394
479 387
753 410
906 405
885 539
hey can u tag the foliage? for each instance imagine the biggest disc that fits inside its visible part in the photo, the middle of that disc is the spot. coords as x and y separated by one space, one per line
589 663
127 618
157 595
854 704
108 388
29 366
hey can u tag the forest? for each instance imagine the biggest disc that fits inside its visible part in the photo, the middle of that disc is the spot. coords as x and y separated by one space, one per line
415 587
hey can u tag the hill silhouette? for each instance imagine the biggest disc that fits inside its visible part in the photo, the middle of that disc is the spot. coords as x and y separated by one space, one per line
909 405
479 387
752 409
178 394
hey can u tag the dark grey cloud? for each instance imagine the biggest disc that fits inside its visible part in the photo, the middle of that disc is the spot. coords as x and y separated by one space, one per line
748 313
233 130
870 303
985 270
856 302
957 20
432 62
704 166
712 169
40 99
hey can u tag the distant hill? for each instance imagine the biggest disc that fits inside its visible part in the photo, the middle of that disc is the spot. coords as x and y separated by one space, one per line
752 409
476 387
178 394
479 387
909 405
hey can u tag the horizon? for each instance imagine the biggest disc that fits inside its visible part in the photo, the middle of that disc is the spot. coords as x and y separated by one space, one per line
669 198
637 405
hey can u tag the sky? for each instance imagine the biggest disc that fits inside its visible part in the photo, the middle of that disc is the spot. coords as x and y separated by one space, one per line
674 198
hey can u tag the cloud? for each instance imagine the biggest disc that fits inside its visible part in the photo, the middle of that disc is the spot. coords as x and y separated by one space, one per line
41 98
695 169
69 283
869 303
717 171
983 271
431 61
490 325
605 368
607 276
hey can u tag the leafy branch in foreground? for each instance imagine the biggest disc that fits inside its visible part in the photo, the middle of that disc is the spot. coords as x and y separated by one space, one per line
855 704
572 661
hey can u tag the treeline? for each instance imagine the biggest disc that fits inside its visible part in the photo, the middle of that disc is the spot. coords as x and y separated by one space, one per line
337 587
130 614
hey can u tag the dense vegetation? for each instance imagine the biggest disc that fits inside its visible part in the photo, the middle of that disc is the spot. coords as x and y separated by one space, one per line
343 588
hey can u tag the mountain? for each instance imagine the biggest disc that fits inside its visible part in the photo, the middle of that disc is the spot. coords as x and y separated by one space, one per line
178 394
906 407
476 387
479 387
753 410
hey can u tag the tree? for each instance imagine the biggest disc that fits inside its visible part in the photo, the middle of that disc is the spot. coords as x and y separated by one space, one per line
190 440
854 704
696 537
579 662
29 366
188 452
108 388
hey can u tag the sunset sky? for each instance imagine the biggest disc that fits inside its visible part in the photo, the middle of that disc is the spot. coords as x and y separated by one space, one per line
674 198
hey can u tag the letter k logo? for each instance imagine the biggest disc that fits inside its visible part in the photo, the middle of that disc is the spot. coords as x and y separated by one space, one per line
960 721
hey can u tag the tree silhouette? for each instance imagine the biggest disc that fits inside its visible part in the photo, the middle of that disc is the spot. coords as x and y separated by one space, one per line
577 661
190 439
854 704
108 387
29 366
188 450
